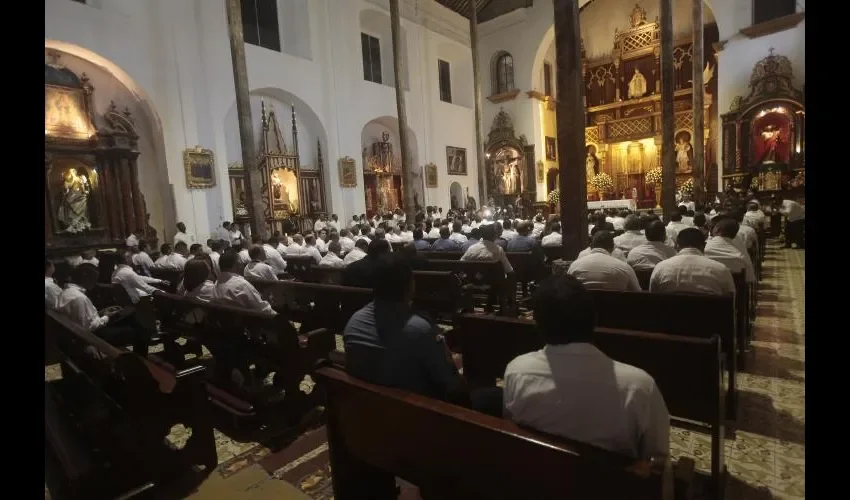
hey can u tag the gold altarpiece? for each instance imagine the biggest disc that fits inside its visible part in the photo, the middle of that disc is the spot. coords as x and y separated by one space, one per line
382 179
623 110
91 178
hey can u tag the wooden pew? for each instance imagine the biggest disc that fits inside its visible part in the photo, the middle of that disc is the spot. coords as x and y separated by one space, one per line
688 371
172 276
551 254
300 267
688 315
643 276
397 246
483 278
439 294
238 339
528 267
327 275
366 453
430 254
131 404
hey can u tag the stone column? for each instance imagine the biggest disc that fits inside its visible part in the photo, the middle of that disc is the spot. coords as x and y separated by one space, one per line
698 104
668 124
571 121
398 61
476 84
253 181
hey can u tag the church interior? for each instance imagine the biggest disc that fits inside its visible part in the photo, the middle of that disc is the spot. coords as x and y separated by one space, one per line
277 135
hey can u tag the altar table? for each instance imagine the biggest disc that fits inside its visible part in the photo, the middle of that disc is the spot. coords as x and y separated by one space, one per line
629 204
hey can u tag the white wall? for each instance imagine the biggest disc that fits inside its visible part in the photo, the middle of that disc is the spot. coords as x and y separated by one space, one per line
173 56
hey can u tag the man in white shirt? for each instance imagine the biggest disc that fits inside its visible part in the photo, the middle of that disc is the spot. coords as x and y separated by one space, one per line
619 221
354 222
754 216
273 257
357 253
675 225
74 303
487 250
223 232
539 226
406 234
345 241
143 259
51 289
649 254
600 271
632 237
133 239
331 259
243 257
795 225
235 235
724 248
508 232
215 255
334 223
322 239
553 239
183 236
573 390
435 230
747 235
310 248
457 236
394 236
296 246
170 260
690 271
88 257
135 285
321 223
258 268
234 290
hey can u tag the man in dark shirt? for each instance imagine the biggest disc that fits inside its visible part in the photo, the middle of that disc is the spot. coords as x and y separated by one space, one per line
444 244
418 240
522 242
362 273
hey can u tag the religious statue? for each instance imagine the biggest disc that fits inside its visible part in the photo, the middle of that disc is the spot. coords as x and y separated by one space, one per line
637 85
515 180
241 209
276 186
684 155
73 209
591 163
634 193
771 136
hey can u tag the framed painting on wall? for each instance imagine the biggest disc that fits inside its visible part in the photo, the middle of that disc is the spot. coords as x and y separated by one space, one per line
551 149
200 168
430 175
540 172
347 172
456 160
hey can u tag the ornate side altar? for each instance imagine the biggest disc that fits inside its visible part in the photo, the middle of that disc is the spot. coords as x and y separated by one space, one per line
764 141
622 96
293 197
382 180
91 179
509 165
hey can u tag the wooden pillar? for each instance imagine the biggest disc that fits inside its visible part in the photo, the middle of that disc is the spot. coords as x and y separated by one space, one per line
668 151
698 105
253 180
476 84
139 206
406 160
129 220
570 120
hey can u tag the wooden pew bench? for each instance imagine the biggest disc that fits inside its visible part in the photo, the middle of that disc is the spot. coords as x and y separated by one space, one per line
130 405
688 371
484 279
431 254
366 454
528 268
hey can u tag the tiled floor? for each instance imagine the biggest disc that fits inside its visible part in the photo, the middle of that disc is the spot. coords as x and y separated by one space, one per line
766 460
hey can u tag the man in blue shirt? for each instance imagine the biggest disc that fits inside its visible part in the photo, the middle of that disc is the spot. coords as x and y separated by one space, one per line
444 244
522 242
418 240
474 236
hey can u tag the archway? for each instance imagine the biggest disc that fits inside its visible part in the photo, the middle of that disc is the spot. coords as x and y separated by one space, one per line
382 169
116 85
456 195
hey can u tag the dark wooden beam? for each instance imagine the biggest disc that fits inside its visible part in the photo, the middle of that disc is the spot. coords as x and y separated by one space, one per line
476 84
698 102
401 109
668 151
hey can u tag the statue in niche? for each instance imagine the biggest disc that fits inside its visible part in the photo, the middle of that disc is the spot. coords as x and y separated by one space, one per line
771 136
73 209
684 152
637 85
591 162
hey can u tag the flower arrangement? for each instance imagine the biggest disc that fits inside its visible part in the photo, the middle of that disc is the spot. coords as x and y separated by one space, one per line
554 196
602 182
78 226
654 176
799 180
687 187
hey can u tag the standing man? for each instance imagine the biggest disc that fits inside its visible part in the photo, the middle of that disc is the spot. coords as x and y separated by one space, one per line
183 236
795 223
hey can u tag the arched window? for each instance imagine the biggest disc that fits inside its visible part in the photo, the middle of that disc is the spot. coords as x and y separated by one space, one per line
503 73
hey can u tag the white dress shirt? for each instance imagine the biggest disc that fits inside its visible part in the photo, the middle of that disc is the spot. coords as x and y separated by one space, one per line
136 286
93 261
132 241
235 237
793 210
509 234
577 392
143 260
274 259
331 260
259 271
172 261
334 225
74 303
754 218
691 272
487 250
244 258
458 238
312 251
406 236
318 226
51 292
730 253
688 221
649 254
353 256
619 223
617 254
600 271
552 240
186 238
321 245
628 240
747 236
204 292
433 233
538 229
214 257
234 290
346 243
294 250
673 229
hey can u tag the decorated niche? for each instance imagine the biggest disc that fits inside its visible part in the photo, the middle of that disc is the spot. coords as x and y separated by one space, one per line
382 179
92 196
764 144
509 165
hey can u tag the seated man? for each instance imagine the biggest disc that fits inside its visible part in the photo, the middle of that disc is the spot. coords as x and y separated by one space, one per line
572 389
414 260
273 257
724 248
135 285
554 238
632 237
310 248
258 269
675 225
74 303
474 237
197 282
600 271
487 250
51 289
419 240
444 243
234 290
648 255
345 241
142 259
523 242
362 273
617 253
331 259
754 216
170 260
357 253
457 233
747 235
690 271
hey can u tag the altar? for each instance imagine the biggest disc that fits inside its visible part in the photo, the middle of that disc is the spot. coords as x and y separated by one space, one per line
628 204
